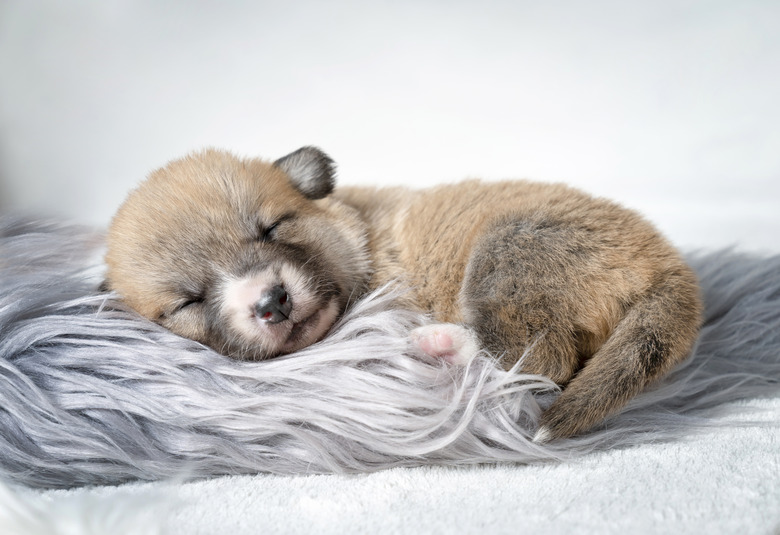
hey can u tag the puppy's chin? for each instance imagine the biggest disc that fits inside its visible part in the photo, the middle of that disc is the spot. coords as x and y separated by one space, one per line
250 337
260 340
310 330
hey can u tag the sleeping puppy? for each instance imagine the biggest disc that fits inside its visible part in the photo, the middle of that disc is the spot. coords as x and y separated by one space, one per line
258 259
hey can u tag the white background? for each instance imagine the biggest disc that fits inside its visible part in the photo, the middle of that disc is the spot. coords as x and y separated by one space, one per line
671 107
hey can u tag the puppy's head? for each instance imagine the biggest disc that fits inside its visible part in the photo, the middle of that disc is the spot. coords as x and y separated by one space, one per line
249 257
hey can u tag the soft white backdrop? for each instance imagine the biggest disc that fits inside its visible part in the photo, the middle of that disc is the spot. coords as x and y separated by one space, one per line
671 107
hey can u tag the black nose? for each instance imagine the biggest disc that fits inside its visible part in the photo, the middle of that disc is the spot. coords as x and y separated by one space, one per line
274 306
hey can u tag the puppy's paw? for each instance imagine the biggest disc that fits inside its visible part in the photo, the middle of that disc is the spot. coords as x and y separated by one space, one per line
456 344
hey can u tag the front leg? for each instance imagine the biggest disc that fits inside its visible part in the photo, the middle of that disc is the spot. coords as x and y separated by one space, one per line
456 344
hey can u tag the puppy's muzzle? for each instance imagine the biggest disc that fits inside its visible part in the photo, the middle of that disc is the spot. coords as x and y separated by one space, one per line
274 306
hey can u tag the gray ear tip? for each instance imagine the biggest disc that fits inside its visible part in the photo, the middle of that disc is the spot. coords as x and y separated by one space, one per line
314 152
321 158
310 170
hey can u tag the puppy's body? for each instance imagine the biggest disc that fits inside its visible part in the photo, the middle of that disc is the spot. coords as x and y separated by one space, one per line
592 295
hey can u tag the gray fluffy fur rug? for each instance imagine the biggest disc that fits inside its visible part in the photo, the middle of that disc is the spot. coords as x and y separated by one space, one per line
92 394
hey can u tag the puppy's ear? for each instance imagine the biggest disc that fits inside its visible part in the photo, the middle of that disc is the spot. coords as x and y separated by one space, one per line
310 170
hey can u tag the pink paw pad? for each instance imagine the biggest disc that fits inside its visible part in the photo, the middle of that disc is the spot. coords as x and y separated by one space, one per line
453 343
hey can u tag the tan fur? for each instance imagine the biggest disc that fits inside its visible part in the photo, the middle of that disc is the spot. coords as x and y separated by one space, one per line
602 302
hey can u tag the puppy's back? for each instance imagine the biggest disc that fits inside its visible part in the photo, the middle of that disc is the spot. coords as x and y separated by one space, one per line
584 291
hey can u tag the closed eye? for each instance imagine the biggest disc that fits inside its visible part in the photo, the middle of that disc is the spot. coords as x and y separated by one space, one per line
180 306
269 233
190 302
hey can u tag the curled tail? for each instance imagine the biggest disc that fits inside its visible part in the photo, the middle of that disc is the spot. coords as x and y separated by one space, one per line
657 332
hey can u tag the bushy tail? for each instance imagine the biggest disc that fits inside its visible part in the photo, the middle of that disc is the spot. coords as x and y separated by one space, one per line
656 333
